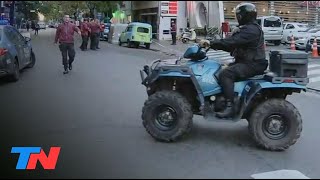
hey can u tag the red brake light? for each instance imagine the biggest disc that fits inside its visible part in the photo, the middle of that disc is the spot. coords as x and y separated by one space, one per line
3 51
288 81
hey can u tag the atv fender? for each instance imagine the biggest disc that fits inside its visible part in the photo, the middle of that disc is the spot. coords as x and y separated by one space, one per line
177 72
252 88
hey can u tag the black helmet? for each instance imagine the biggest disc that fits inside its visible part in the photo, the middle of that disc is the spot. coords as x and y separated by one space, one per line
246 12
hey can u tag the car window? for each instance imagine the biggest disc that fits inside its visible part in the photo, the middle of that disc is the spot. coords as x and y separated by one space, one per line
290 26
143 30
272 22
13 35
259 21
129 29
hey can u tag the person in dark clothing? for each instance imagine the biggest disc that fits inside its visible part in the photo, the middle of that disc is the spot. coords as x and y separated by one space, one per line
64 35
247 46
36 30
85 30
173 33
28 26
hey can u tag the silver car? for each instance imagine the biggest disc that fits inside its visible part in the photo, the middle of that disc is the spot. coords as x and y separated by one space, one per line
16 52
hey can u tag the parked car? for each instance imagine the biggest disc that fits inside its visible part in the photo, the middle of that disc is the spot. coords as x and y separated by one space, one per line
310 41
290 28
105 33
301 38
15 52
42 24
137 34
272 28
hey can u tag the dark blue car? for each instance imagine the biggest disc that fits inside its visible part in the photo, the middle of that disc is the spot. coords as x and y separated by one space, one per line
15 52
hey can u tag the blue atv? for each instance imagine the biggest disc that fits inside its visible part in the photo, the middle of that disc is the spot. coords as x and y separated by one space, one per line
189 86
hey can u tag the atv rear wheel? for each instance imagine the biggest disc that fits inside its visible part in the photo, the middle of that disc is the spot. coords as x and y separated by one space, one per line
167 116
275 124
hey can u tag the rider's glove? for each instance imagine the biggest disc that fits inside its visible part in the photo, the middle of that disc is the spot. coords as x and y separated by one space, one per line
235 30
204 43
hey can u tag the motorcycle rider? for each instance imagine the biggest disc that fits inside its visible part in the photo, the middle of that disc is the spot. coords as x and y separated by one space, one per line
246 45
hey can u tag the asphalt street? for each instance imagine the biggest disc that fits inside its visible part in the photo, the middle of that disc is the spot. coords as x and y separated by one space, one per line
94 115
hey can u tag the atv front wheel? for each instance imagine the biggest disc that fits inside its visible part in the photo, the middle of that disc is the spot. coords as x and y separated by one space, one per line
275 124
167 116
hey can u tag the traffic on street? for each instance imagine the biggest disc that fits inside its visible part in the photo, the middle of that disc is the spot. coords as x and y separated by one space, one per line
96 94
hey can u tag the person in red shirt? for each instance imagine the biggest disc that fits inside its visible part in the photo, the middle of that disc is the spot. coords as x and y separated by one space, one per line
85 30
102 26
95 31
64 35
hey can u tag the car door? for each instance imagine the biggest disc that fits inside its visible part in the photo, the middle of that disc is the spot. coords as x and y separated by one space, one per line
16 44
26 49
128 33
287 32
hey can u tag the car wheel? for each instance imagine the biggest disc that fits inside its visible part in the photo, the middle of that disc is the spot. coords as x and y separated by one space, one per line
129 43
33 60
15 76
148 46
120 43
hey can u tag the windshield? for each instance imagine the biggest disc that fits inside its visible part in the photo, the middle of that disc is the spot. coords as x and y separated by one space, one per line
272 22
303 26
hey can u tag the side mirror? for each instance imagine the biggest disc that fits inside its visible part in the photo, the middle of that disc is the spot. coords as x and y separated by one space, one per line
27 39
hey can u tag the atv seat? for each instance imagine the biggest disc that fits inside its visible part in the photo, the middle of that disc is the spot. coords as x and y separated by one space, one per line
266 75
274 78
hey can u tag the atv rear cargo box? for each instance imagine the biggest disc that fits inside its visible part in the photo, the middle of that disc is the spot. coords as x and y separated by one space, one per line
288 63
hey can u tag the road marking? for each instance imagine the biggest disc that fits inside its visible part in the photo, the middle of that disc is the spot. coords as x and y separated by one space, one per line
280 174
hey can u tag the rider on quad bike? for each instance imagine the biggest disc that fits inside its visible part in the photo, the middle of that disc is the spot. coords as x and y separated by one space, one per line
246 45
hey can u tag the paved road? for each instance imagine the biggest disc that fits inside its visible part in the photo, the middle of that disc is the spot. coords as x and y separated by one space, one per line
94 112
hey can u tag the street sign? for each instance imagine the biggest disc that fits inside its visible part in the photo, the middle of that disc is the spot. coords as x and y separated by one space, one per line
169 8
32 10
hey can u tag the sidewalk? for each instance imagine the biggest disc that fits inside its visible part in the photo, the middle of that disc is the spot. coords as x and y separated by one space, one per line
25 33
179 49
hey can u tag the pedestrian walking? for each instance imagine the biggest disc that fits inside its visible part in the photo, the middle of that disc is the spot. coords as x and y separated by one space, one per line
173 33
64 35
94 35
85 30
36 31
28 26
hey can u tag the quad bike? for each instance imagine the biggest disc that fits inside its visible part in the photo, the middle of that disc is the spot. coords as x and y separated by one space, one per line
179 89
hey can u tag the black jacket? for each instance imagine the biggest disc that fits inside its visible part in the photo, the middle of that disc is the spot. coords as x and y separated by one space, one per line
246 46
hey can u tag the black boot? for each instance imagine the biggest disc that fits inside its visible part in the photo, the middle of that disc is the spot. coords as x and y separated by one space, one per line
228 112
65 70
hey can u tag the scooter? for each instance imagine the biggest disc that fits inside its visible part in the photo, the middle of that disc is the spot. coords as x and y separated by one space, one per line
188 35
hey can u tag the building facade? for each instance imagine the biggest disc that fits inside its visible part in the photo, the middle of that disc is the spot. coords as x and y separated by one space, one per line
161 14
290 11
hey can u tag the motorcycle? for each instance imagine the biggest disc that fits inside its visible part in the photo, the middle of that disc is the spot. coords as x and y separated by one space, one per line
188 35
